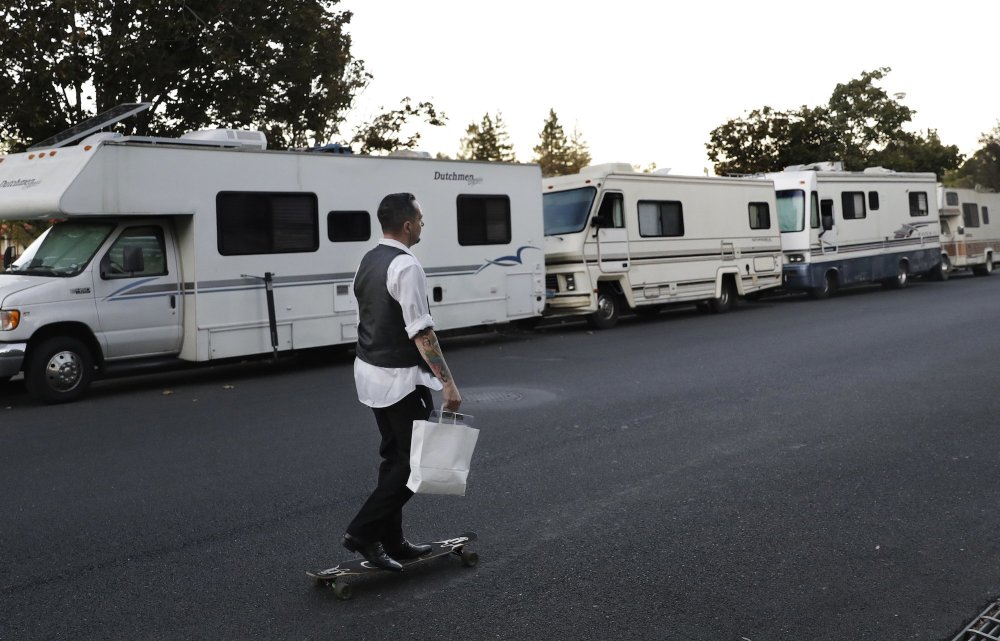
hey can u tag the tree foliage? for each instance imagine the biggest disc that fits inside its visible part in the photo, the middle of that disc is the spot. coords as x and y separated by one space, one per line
861 126
487 140
918 153
579 153
552 150
383 133
281 66
981 169
20 233
768 140
556 154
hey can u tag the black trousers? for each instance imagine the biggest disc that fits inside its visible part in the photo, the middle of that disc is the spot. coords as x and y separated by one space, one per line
381 517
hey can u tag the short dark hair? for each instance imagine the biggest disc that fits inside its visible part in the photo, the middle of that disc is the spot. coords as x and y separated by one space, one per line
396 209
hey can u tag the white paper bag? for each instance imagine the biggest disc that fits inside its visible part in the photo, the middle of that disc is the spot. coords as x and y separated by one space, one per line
440 453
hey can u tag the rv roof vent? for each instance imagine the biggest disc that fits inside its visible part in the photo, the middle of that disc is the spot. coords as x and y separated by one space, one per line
238 136
878 170
663 171
410 153
608 168
834 165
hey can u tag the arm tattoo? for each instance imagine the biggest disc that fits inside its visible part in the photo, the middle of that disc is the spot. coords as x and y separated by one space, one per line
430 349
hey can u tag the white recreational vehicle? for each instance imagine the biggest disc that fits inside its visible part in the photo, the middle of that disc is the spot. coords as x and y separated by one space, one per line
617 239
208 247
841 228
969 239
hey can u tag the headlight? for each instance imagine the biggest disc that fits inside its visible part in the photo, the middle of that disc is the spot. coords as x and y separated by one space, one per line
796 258
9 319
570 283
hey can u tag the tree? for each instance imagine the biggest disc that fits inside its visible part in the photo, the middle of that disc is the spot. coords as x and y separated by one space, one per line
286 68
383 133
579 154
552 150
20 233
488 140
919 153
864 119
861 126
982 169
557 155
769 140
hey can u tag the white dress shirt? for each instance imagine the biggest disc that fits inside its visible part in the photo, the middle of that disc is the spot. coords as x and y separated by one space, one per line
407 284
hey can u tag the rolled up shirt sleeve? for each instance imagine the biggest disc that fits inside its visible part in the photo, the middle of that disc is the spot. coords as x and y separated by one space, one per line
408 285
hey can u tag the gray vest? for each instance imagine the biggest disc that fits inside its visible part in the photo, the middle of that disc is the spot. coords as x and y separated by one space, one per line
382 338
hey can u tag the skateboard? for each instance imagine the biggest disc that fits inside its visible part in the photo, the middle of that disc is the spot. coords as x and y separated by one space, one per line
330 577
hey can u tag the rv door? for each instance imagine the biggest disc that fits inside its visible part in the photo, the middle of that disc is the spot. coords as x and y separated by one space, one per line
828 233
137 287
611 234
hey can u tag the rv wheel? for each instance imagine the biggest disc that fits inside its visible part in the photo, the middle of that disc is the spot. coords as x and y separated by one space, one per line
943 271
606 315
59 370
726 300
829 287
985 269
902 278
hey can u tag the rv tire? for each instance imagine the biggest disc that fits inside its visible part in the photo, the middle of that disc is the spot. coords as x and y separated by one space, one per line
608 308
985 269
726 300
902 277
59 370
943 270
828 289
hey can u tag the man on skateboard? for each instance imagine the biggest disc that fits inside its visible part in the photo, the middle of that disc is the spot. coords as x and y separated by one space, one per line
399 362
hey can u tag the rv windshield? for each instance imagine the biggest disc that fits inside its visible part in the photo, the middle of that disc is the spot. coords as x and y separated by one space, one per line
791 209
565 212
64 250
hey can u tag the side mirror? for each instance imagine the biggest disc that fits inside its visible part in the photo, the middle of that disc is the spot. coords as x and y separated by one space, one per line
8 257
600 221
133 260
827 223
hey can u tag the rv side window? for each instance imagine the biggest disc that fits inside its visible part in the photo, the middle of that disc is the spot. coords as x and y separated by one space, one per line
970 214
483 220
951 198
853 203
266 223
760 216
814 210
348 226
918 203
660 218
612 210
138 251
873 200
986 216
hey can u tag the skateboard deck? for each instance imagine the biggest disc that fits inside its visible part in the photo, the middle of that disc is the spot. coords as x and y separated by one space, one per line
359 567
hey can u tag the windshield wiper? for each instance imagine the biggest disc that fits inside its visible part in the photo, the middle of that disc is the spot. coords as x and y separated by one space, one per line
41 271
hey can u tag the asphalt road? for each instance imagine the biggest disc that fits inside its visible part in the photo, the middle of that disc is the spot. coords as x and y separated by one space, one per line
793 470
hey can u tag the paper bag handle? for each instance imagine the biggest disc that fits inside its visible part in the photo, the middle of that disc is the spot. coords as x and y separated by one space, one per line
451 418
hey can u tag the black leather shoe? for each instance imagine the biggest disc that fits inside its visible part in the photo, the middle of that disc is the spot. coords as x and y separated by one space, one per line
405 550
374 553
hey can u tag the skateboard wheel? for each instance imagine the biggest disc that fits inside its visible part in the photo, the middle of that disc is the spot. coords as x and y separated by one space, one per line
343 591
470 559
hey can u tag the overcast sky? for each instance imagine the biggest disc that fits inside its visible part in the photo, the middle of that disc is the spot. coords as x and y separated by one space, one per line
646 81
